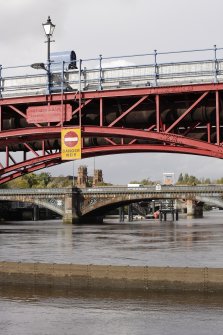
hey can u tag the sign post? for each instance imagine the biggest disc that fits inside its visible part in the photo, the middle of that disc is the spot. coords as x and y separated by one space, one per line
70 143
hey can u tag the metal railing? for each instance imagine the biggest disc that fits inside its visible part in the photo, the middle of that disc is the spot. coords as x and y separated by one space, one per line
118 72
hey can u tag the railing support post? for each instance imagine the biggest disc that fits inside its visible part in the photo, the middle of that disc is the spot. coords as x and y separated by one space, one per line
157 113
156 68
215 65
217 118
100 73
80 71
1 86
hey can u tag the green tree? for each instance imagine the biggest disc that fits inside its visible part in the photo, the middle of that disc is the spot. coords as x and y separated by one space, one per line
20 182
43 179
180 179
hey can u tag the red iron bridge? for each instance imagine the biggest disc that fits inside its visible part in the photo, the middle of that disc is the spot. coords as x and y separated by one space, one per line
156 102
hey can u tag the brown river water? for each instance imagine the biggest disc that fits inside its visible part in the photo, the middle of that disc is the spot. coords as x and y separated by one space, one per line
194 242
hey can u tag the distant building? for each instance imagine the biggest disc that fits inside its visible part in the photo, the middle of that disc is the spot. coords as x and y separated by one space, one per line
82 177
98 177
168 178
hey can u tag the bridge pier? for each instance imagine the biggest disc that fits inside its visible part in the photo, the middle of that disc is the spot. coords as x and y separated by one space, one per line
121 214
68 209
130 213
35 213
194 209
72 213
71 207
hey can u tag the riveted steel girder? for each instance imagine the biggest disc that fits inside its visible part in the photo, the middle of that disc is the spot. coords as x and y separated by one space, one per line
181 119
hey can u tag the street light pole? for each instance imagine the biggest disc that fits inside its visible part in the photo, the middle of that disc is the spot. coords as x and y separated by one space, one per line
48 29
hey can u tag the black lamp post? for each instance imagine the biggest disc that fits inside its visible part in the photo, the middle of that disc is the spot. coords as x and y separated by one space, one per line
48 29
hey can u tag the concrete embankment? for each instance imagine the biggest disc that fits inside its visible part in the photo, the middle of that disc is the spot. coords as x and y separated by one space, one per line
108 277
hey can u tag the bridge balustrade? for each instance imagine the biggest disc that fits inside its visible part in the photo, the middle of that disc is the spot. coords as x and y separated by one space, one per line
104 76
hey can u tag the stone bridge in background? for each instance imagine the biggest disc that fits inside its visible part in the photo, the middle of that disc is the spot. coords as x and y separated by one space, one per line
76 204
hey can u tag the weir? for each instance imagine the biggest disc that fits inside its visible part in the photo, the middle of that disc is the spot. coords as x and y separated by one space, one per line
106 277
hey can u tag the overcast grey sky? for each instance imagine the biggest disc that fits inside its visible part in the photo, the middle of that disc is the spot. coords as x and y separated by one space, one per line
115 27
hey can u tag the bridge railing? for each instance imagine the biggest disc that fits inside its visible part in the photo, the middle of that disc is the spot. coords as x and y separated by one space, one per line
152 69
37 191
212 188
152 189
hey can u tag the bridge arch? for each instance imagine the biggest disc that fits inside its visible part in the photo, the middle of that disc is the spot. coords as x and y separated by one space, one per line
212 201
51 205
100 207
151 141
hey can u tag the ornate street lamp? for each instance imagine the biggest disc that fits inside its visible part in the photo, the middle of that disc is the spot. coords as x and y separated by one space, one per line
48 29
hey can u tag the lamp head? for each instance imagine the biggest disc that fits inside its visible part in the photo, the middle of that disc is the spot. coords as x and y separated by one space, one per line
48 27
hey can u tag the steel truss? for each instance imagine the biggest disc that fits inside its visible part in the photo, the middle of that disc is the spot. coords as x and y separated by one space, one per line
179 119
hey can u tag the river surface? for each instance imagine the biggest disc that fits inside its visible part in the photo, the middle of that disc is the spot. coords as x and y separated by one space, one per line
197 242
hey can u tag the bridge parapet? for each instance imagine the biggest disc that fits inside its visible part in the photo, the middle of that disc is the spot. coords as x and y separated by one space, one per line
75 204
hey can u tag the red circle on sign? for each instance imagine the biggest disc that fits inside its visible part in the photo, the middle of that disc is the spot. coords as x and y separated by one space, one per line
71 139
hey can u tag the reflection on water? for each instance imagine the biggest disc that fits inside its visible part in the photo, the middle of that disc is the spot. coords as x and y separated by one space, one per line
44 311
57 312
196 242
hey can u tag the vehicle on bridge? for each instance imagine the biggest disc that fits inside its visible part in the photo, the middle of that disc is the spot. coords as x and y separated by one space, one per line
134 185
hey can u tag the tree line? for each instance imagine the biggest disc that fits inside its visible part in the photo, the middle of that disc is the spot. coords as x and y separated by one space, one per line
183 179
186 179
45 180
42 180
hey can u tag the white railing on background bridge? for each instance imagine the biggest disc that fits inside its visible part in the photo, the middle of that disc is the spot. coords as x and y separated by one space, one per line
202 188
145 70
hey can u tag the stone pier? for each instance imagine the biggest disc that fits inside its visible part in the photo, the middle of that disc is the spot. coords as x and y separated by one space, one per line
194 209
71 207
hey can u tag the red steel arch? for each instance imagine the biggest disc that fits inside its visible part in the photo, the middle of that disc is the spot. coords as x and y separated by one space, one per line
176 119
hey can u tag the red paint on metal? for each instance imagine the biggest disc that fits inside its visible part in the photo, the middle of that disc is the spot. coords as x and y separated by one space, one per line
118 149
30 162
209 132
217 118
128 111
187 112
101 112
51 113
0 118
192 127
54 159
157 113
116 137
7 155
31 149
163 137
71 96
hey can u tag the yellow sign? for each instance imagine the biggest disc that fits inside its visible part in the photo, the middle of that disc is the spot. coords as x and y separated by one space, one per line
70 143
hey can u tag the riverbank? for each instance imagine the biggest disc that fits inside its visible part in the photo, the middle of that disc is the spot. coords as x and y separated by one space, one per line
109 277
